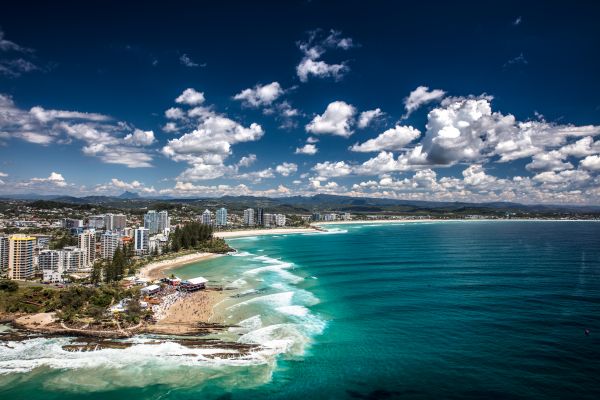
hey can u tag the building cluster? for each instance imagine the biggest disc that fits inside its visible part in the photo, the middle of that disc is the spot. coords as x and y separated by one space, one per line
330 217
250 217
260 218
29 256
25 256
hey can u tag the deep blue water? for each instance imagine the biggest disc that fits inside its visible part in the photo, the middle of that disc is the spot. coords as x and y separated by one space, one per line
450 310
427 310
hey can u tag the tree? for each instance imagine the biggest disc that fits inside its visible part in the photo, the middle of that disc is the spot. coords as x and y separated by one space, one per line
8 286
96 275
118 265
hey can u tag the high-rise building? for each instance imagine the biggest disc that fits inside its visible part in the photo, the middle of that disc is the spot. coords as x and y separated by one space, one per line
52 265
96 222
157 243
73 259
280 219
329 217
260 220
221 217
114 222
249 217
3 256
163 221
109 242
51 260
269 220
20 256
152 221
141 238
206 218
86 241
316 216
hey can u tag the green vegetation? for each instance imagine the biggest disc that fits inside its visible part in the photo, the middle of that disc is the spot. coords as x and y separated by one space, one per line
296 221
113 270
81 302
73 304
8 286
31 299
194 235
62 239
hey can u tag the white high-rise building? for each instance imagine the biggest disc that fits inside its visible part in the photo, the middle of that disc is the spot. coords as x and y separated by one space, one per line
114 222
164 222
86 241
280 219
73 258
221 217
141 240
206 218
151 221
249 217
156 222
52 266
51 260
110 241
20 256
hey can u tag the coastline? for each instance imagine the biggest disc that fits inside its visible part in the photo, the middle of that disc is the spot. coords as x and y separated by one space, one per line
404 221
262 232
381 221
187 313
154 271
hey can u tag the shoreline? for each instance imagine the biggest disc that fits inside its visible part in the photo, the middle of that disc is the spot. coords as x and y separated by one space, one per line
262 232
188 313
404 221
155 270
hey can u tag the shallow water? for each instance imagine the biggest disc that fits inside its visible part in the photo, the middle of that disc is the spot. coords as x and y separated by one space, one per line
444 310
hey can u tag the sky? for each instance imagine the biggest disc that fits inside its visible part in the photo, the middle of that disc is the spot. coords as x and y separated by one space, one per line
449 101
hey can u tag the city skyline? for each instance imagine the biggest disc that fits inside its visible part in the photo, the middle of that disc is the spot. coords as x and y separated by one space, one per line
465 106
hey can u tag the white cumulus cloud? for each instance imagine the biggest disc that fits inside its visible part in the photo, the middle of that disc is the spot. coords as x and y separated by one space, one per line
336 120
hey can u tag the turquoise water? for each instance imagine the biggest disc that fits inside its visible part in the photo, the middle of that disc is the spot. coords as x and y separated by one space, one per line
427 310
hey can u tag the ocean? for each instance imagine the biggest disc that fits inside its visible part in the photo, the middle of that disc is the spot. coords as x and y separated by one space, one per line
473 309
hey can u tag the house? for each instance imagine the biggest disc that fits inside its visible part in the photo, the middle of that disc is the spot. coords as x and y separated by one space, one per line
52 276
150 290
173 281
193 284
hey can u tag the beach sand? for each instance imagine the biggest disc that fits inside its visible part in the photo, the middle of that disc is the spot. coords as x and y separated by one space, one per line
187 311
382 221
36 321
261 232
155 270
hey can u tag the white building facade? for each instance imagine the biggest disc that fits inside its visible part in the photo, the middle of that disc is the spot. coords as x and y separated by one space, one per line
249 217
221 219
141 241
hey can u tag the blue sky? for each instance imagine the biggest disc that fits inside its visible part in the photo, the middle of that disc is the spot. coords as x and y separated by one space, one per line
432 101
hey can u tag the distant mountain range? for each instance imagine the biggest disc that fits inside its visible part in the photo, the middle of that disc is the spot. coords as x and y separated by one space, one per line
308 204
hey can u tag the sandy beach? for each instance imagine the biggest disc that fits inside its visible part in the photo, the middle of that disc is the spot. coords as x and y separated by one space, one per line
261 232
381 221
154 271
182 313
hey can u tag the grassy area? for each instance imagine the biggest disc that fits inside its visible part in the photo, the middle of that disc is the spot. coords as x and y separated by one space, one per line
73 304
